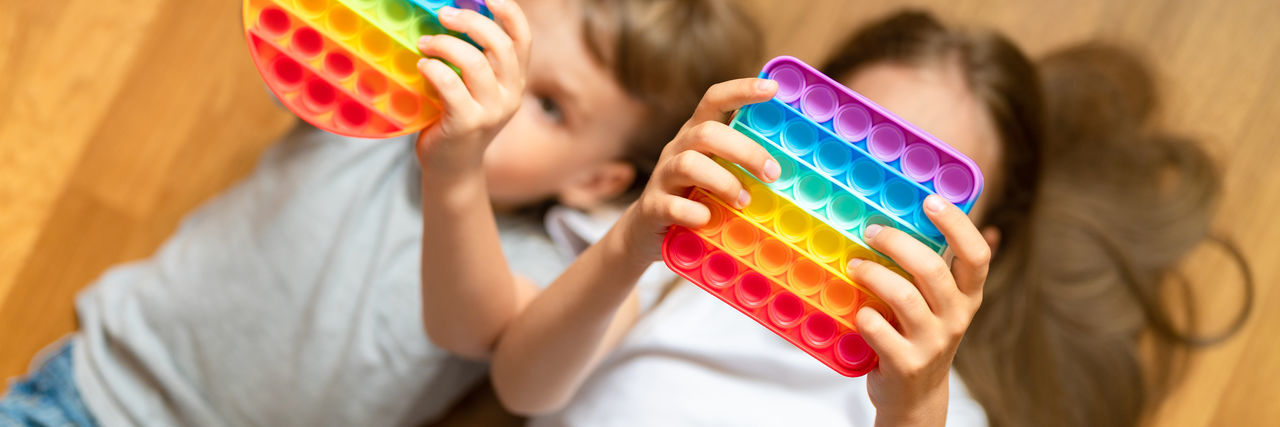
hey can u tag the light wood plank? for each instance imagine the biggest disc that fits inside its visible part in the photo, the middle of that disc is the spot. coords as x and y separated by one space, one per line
100 159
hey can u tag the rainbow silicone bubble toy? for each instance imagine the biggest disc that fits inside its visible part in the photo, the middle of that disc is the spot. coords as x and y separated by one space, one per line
349 66
846 163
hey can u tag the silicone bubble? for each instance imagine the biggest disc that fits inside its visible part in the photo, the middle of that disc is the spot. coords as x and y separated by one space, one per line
753 290
785 310
839 298
799 137
819 330
819 103
719 270
349 66
687 249
740 237
852 351
833 157
919 162
852 122
766 118
886 142
773 257
790 82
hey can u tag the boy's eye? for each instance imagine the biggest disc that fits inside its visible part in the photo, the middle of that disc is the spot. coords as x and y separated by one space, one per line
551 109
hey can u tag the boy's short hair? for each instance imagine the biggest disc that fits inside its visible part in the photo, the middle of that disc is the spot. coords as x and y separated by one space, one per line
666 53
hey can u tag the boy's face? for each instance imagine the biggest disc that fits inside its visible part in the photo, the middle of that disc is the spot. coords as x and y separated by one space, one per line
565 140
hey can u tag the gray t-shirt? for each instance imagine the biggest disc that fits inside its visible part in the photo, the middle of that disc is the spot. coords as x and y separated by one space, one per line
292 299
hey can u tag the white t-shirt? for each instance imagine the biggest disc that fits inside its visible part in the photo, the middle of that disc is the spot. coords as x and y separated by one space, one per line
292 299
694 360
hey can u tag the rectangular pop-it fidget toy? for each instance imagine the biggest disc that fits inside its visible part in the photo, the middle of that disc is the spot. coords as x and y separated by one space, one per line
349 66
846 163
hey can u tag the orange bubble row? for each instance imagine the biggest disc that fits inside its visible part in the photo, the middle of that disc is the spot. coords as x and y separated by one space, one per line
773 257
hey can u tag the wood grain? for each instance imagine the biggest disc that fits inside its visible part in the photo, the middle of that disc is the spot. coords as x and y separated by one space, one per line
116 120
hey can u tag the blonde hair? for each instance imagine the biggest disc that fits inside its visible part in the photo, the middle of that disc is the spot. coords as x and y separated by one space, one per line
666 53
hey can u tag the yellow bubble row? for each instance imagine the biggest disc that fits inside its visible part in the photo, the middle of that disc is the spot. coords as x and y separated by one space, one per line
762 247
807 232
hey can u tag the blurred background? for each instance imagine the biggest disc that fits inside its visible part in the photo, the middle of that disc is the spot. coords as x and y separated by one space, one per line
117 119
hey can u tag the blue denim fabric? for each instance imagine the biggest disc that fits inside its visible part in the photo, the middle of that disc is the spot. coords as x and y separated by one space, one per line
46 397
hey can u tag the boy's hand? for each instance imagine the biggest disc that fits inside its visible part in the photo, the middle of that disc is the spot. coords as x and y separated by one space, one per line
686 162
910 385
478 103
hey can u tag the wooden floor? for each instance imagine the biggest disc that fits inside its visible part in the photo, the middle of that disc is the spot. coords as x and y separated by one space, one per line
116 119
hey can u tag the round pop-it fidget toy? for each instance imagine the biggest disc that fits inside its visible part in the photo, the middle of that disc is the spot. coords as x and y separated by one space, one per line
846 164
349 66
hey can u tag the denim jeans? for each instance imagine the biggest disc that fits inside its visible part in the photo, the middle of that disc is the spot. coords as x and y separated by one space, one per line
46 397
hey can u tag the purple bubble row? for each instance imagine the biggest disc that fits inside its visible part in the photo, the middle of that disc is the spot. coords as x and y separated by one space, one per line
849 118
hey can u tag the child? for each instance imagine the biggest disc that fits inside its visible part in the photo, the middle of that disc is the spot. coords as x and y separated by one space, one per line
1056 339
299 297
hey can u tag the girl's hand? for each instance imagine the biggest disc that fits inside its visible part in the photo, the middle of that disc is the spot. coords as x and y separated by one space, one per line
686 163
910 385
478 103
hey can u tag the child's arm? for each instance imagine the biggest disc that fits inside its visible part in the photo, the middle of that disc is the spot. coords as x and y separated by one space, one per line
909 388
545 353
468 291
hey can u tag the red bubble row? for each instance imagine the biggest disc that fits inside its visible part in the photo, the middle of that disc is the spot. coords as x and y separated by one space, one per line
284 46
305 91
761 298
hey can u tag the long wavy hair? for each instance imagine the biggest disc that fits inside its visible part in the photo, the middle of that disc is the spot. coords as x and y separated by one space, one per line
1096 212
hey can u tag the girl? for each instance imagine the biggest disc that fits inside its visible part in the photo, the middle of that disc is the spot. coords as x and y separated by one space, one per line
1082 220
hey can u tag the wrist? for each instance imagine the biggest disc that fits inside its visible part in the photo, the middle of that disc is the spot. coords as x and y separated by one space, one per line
620 246
449 189
929 409
452 154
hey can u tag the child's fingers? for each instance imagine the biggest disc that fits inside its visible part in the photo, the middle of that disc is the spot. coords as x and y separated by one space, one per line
880 335
900 295
495 43
476 72
694 169
932 275
453 94
677 210
718 139
972 253
725 97
511 18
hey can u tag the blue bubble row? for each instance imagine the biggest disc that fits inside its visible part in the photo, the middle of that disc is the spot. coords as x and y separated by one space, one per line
834 179
434 6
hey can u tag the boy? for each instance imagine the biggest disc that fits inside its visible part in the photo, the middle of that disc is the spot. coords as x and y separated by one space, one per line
297 298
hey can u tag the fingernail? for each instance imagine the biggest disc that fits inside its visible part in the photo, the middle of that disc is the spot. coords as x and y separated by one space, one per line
743 198
422 64
872 230
853 263
495 2
772 170
448 12
422 41
764 85
934 203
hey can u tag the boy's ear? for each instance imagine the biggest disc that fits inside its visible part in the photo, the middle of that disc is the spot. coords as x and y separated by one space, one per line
596 186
